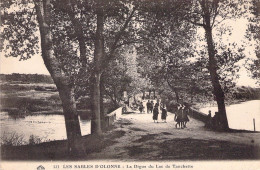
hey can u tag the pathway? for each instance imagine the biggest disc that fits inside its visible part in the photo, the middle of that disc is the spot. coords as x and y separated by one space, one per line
137 137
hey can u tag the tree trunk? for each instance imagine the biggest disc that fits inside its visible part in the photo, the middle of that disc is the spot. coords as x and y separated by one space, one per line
70 113
102 110
98 56
218 92
96 121
78 32
65 91
177 95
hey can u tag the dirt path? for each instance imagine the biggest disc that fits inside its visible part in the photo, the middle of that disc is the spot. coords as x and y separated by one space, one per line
139 138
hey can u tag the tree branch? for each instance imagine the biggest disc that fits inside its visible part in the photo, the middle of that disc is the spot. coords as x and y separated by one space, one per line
216 13
117 38
197 24
77 26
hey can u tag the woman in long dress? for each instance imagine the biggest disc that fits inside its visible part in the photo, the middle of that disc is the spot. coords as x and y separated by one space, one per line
178 116
151 106
155 112
185 116
164 114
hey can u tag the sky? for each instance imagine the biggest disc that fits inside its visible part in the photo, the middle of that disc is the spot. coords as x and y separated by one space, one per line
10 65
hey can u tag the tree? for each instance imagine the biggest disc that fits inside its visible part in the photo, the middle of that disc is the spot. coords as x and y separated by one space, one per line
116 79
20 30
66 90
105 49
208 14
167 45
253 65
96 22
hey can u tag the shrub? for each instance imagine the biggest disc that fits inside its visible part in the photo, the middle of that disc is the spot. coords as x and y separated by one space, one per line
12 139
33 140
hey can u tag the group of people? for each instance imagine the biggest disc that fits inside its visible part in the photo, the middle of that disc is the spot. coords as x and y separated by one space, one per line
149 106
155 111
213 122
181 116
141 107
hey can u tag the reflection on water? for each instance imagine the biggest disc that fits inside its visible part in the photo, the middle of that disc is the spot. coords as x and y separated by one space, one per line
46 127
240 116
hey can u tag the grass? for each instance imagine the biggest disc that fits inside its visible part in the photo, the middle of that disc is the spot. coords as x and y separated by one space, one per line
14 139
15 87
57 150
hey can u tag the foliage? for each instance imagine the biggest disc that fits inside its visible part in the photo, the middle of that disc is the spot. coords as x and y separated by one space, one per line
15 139
12 139
163 56
33 140
253 35
19 29
245 93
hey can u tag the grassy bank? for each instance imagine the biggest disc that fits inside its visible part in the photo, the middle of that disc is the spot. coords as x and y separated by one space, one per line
57 150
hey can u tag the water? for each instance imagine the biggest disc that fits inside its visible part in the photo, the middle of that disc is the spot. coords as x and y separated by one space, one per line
240 116
46 127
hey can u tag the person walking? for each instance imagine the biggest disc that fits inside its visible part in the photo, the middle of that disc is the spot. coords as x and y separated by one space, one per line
151 106
178 116
185 115
148 106
141 107
155 113
164 113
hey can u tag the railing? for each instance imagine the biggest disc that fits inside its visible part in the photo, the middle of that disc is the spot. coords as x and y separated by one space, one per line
111 117
198 115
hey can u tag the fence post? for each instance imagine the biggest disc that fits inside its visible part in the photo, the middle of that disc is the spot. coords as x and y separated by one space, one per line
254 123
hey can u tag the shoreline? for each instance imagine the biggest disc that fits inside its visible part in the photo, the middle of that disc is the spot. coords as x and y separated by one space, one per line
198 106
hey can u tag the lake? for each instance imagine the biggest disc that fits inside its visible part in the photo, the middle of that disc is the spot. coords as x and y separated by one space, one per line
241 115
46 127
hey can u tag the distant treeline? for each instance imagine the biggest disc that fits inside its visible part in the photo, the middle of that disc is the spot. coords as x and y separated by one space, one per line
247 93
26 78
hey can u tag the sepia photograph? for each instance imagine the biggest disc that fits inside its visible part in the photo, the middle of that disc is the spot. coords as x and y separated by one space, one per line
129 84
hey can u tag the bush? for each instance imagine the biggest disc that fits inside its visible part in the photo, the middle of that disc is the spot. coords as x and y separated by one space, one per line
12 139
33 140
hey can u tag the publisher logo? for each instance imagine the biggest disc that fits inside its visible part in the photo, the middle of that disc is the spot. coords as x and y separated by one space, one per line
40 167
